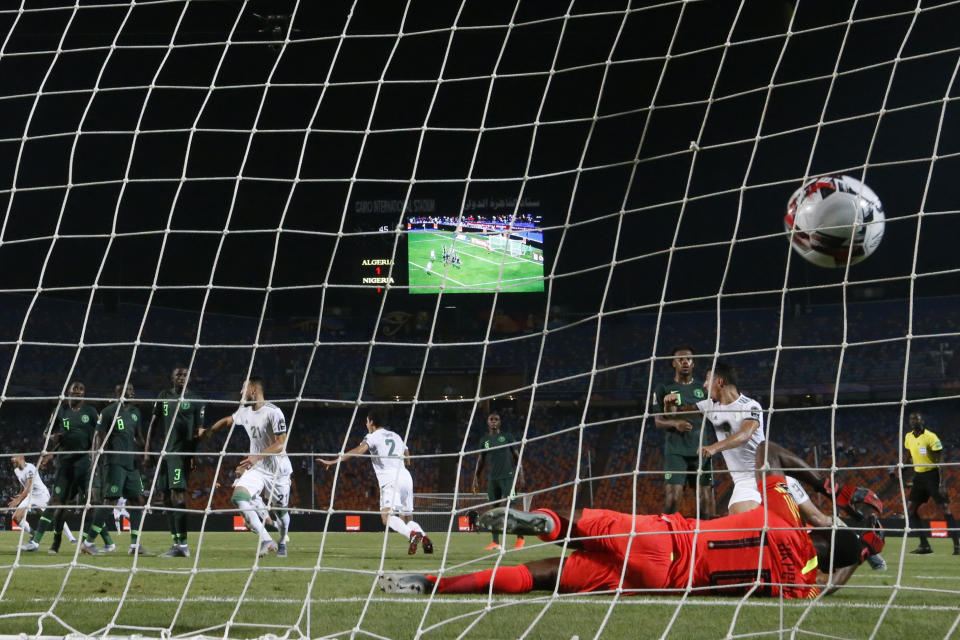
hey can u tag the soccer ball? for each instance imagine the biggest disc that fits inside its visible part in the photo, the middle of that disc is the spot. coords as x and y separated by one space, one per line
828 214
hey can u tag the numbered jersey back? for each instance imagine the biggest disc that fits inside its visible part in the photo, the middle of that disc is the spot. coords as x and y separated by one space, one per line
387 449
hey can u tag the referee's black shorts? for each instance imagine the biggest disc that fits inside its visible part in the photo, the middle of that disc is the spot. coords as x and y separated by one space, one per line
926 485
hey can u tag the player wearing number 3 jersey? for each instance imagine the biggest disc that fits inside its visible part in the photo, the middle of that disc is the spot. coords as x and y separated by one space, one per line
390 458
180 414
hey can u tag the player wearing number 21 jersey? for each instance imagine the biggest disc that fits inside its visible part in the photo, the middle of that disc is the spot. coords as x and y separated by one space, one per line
389 456
266 468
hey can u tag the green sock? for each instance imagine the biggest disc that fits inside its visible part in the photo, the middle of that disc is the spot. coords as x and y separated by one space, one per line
91 533
134 534
182 526
172 523
105 534
42 527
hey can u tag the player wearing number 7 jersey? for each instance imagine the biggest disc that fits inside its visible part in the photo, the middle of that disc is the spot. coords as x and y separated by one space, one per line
389 457
266 468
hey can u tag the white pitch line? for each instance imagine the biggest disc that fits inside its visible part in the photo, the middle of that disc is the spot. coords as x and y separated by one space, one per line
462 244
475 285
436 273
600 600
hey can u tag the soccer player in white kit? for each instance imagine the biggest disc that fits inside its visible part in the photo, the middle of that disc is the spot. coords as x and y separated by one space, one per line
33 495
738 423
389 456
266 468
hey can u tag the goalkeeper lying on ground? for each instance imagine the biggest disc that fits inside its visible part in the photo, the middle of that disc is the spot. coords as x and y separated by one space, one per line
724 555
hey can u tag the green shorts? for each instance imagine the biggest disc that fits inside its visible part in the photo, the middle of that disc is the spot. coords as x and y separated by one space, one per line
174 473
121 481
683 470
73 474
499 488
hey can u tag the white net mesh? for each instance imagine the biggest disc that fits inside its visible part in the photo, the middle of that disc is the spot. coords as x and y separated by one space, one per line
441 209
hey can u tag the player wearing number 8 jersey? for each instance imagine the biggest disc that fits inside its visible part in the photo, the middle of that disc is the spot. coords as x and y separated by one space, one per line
266 468
118 432
390 458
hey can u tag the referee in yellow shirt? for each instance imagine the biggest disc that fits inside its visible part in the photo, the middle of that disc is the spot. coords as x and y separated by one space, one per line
925 453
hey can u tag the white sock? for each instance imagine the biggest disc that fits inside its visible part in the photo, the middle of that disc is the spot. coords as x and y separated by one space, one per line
399 526
283 526
253 520
66 530
25 526
415 526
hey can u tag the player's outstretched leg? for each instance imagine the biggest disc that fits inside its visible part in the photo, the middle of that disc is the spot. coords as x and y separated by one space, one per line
521 578
518 522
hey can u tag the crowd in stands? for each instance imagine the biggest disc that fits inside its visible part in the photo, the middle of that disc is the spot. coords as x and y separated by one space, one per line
603 440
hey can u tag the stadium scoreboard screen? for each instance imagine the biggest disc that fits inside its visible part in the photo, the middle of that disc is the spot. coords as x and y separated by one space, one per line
475 254
375 272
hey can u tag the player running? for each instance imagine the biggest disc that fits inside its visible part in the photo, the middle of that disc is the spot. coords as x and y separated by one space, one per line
389 455
267 467
738 423
33 495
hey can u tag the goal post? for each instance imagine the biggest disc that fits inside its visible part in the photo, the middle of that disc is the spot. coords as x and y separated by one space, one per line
235 213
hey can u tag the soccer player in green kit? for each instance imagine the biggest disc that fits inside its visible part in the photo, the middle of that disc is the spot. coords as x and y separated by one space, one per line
74 423
181 422
504 461
682 436
118 431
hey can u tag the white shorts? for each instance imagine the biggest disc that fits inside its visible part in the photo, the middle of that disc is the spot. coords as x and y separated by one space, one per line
31 503
745 489
398 495
256 480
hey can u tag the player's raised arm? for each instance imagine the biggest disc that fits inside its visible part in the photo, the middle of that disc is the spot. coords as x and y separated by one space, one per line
227 422
358 450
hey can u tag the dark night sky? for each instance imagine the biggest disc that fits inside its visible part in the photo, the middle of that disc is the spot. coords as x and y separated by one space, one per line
898 146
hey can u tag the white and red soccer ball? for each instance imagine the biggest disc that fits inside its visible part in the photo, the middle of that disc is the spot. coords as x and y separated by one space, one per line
834 219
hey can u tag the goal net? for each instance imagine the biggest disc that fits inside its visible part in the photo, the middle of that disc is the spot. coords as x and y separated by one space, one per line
277 217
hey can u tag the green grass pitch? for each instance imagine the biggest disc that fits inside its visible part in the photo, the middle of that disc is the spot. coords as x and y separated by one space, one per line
926 605
479 273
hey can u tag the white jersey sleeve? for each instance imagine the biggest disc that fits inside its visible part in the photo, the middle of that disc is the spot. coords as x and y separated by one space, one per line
796 490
